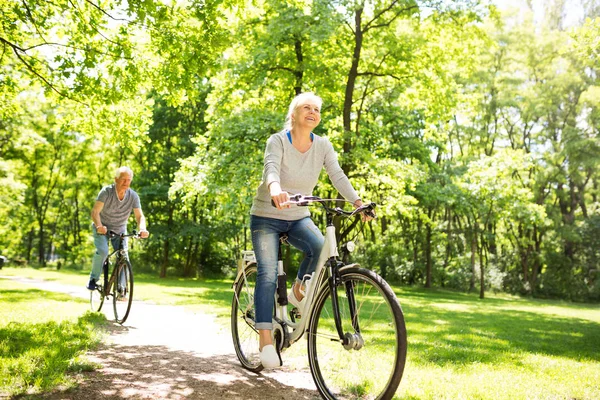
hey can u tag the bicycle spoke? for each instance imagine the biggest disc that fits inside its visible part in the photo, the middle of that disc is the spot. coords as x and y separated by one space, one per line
122 291
373 368
244 334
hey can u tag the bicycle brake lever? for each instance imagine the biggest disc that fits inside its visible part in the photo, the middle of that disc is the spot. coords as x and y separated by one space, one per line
369 210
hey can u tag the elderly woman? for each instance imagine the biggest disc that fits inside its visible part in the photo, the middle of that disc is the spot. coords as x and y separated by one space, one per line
293 161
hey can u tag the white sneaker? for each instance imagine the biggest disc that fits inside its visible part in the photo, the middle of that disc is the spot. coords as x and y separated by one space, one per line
269 357
299 304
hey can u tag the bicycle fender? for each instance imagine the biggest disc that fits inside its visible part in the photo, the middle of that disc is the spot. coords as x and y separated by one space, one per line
240 274
353 265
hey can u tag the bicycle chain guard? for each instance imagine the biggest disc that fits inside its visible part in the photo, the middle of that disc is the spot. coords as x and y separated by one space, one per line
280 334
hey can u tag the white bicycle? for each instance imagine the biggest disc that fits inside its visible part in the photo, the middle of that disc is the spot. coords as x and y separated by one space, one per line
354 323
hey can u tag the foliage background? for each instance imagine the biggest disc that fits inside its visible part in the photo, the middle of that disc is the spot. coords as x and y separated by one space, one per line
474 129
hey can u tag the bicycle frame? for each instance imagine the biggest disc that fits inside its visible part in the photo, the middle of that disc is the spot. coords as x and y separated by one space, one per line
325 273
108 282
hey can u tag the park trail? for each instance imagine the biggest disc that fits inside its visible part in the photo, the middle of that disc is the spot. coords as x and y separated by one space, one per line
168 352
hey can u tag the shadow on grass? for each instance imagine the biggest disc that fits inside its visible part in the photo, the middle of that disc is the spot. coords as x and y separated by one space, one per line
488 334
33 295
446 327
159 372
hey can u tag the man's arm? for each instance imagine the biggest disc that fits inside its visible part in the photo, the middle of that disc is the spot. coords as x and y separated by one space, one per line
98 206
141 222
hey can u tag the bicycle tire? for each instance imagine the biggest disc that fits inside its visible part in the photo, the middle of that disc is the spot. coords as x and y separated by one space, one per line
96 299
122 290
245 336
373 371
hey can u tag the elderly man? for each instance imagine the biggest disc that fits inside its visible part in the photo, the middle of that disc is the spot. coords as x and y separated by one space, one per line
110 213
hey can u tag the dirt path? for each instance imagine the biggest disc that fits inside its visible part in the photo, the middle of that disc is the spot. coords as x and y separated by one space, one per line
166 352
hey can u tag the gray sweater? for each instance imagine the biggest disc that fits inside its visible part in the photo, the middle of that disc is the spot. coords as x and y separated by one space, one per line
297 173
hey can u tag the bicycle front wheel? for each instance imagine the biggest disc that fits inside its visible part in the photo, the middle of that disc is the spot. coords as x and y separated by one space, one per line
245 336
122 290
96 299
371 364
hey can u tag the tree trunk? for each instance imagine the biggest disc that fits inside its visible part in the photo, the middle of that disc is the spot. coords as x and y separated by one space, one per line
473 257
481 272
41 253
351 81
29 247
537 266
165 256
187 267
428 263
165 259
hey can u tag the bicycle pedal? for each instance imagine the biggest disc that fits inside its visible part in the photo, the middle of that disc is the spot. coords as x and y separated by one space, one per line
295 313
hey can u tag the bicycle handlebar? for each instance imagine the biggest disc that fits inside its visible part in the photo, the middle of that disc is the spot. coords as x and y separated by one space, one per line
302 201
134 234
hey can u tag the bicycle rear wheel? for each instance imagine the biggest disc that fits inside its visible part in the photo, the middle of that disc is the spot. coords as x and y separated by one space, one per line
373 368
245 336
122 290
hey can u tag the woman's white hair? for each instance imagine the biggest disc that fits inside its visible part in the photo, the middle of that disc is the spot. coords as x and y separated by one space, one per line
122 170
299 100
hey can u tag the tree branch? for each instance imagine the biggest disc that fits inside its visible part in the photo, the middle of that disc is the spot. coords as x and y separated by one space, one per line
369 25
105 13
399 78
90 24
16 50
74 48
3 50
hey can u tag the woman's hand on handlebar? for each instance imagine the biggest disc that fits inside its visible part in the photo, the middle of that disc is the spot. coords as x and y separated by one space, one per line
279 197
365 217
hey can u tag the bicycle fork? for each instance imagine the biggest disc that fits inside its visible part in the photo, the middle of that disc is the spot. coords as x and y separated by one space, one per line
349 340
105 273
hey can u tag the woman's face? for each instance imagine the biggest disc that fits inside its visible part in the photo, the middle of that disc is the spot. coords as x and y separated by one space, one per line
308 114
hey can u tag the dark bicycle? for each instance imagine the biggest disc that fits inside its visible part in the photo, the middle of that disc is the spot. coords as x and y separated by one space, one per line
120 284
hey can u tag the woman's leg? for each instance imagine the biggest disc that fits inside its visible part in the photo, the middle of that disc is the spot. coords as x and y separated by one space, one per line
265 240
305 236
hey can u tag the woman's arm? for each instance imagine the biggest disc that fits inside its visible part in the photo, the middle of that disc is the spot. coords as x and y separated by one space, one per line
271 171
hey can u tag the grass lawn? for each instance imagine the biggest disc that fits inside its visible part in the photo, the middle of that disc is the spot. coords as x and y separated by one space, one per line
460 347
43 336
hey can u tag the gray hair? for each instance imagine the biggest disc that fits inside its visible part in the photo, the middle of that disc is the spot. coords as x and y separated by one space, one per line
299 100
122 170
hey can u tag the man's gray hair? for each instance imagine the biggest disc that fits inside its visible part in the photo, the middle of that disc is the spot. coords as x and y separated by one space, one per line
122 170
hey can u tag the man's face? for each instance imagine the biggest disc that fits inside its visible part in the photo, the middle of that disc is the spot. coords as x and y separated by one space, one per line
123 181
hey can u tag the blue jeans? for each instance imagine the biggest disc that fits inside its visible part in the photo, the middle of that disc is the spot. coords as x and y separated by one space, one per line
101 243
303 234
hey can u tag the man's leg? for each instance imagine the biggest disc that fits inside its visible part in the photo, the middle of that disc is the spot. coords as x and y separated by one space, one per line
101 243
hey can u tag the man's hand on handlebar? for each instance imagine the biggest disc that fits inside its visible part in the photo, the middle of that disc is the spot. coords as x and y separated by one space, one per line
101 230
144 233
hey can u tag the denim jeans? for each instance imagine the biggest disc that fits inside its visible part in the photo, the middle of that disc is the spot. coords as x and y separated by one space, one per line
101 243
303 234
